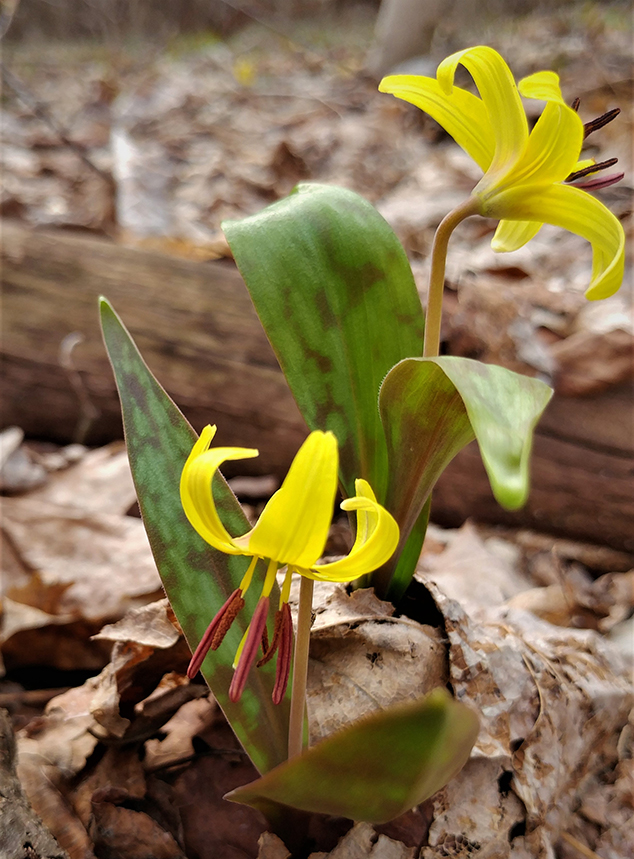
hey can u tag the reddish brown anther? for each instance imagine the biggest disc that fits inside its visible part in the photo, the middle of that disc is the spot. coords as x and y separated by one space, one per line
216 631
268 650
600 121
250 649
265 643
232 610
285 646
592 168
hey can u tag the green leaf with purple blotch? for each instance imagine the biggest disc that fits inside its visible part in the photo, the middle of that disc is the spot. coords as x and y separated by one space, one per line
431 408
197 578
334 291
374 769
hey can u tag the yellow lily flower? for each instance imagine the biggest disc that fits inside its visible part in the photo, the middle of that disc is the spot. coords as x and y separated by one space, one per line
292 532
524 174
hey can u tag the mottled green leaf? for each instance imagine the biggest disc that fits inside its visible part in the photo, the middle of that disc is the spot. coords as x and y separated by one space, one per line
197 578
431 408
335 294
374 769
503 408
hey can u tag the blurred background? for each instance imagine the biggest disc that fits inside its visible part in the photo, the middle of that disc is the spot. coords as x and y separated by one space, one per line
131 130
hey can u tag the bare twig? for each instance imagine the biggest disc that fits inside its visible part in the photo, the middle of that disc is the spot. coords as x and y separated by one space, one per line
579 847
88 412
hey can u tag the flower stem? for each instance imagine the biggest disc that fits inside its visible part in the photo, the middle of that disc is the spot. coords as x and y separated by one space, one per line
300 668
431 344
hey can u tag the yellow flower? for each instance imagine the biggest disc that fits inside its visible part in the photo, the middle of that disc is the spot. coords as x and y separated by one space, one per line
523 173
292 532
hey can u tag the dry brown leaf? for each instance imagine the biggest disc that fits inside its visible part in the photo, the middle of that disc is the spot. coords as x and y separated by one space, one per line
120 831
471 573
101 483
51 751
104 559
362 658
118 768
69 571
553 703
271 847
151 625
362 842
30 636
215 828
192 718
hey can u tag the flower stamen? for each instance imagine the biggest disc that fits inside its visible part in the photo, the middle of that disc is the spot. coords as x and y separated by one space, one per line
268 650
595 184
593 168
600 121
285 646
249 649
216 631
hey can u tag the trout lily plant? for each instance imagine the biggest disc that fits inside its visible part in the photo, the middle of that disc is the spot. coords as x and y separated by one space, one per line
335 293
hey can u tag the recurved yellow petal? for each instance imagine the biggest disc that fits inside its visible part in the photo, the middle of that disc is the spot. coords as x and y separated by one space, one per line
195 489
498 91
512 235
293 527
462 114
575 210
543 86
376 540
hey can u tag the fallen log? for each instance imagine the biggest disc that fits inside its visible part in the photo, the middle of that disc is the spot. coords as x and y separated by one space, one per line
197 329
193 322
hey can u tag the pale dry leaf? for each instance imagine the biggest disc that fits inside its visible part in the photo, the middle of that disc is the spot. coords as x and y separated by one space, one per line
553 703
487 814
622 636
100 482
191 719
362 842
554 603
103 560
149 625
471 573
271 847
19 472
17 616
357 668
363 659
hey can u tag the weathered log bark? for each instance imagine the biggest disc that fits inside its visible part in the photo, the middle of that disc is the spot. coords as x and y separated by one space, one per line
22 833
197 329
193 322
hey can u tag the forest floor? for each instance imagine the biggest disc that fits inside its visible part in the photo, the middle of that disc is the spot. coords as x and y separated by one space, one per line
154 146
